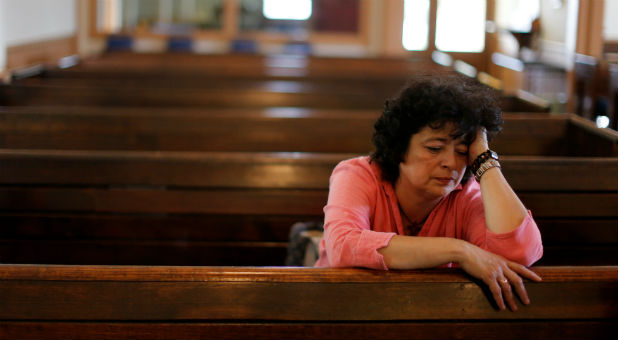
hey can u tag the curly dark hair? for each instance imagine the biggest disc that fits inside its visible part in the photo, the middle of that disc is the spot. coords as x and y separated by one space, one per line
433 100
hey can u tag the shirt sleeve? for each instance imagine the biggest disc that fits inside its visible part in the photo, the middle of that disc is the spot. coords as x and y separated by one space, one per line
522 245
348 238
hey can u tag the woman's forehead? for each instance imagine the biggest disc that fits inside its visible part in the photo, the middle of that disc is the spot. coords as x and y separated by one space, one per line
447 130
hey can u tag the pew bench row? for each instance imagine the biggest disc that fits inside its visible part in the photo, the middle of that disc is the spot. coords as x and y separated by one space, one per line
263 97
202 207
269 129
116 302
206 80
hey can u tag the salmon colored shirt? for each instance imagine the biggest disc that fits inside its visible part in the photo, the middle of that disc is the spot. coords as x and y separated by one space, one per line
362 215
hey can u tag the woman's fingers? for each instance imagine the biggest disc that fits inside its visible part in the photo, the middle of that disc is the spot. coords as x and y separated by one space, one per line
514 273
507 293
504 278
496 291
525 272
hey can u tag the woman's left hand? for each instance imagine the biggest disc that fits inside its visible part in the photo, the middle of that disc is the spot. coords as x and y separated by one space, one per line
499 274
478 146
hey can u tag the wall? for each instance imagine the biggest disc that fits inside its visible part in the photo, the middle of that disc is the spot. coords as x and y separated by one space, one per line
24 24
36 20
558 32
610 29
2 41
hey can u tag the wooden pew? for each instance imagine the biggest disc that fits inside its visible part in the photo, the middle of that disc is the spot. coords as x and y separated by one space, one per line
366 77
385 86
11 95
215 208
265 232
585 73
93 302
290 95
272 129
613 94
251 66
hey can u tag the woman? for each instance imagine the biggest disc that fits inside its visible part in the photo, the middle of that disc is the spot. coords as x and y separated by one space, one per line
432 194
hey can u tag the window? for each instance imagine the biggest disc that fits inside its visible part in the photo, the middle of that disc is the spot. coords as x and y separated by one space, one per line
257 20
460 25
287 9
299 16
416 25
158 16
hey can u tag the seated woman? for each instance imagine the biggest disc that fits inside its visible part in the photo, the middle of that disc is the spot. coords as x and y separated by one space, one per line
432 194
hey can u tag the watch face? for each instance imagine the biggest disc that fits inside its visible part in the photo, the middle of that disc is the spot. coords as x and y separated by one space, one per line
493 154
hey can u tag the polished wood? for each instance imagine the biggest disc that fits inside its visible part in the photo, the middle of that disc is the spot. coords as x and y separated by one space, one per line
174 164
180 98
242 66
296 302
11 95
252 170
386 86
315 330
269 129
86 196
365 77
40 53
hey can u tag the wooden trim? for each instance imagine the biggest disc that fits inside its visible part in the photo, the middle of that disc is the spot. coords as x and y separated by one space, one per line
590 28
342 330
92 26
589 126
16 272
433 25
44 52
393 23
230 19
364 22
333 38
308 296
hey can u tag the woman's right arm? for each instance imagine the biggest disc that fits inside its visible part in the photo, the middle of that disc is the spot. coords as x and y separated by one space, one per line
348 238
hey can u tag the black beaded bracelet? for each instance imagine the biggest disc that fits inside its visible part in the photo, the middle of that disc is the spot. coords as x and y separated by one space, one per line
482 158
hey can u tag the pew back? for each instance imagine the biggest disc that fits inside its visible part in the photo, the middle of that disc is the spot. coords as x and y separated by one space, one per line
206 201
272 303
271 129
178 80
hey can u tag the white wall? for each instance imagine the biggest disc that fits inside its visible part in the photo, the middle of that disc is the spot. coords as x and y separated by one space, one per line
610 24
28 21
559 32
2 43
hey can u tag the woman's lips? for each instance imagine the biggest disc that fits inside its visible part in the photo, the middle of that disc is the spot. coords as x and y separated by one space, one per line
444 180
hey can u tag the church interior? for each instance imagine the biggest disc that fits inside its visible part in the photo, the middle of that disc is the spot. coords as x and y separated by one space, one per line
164 164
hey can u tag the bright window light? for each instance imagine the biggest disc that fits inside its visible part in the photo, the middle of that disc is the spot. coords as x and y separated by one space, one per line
602 121
415 25
287 9
460 25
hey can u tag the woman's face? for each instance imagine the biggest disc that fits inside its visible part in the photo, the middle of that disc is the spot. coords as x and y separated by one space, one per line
434 163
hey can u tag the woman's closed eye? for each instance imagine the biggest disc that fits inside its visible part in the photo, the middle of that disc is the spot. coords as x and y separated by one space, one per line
434 149
437 149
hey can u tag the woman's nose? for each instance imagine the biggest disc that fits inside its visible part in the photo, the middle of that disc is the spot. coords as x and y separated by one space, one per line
449 159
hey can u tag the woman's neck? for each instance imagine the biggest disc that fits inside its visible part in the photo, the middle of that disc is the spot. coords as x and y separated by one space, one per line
414 205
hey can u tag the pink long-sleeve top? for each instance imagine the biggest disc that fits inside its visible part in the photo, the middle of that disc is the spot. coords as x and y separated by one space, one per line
362 215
